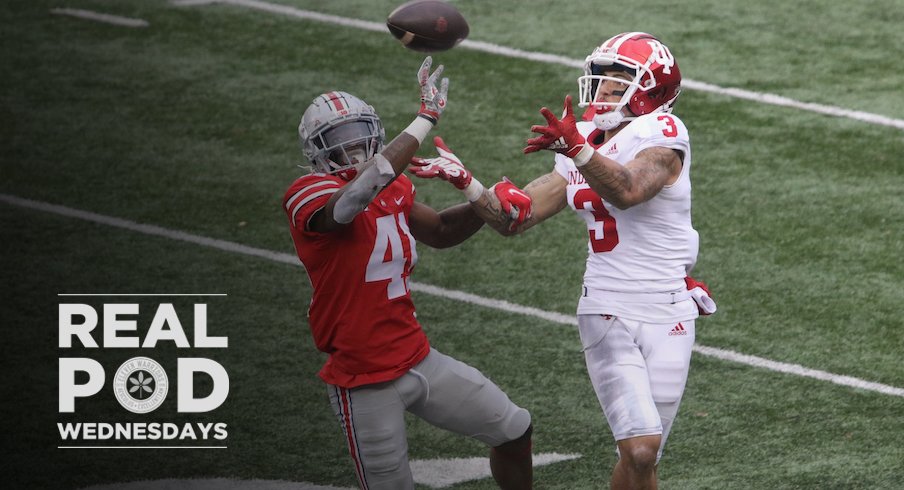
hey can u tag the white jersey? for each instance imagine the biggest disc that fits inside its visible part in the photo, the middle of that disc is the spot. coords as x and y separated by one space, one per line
648 248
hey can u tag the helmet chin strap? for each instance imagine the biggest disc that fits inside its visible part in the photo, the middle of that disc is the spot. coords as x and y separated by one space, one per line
610 120
613 118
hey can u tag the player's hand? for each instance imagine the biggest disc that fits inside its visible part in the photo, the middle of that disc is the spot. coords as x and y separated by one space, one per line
701 295
433 100
446 166
559 135
514 201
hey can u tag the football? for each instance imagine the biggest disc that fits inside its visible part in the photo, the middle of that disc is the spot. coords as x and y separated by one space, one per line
428 25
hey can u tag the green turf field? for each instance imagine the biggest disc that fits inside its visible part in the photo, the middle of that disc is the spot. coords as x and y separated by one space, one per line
189 125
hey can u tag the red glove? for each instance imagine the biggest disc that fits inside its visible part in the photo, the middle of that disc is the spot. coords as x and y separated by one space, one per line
514 201
560 135
701 295
446 166
433 100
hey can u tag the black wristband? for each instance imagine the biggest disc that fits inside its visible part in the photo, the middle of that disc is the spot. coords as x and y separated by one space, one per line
432 119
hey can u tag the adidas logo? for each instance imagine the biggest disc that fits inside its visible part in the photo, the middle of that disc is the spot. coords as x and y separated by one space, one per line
613 150
678 330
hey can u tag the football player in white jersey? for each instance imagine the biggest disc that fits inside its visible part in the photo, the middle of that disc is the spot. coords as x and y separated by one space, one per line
624 169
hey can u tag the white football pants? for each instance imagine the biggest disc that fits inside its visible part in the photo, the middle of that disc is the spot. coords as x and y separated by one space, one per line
638 371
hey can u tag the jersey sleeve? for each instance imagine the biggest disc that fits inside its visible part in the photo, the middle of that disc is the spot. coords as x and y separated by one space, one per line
563 165
664 130
308 195
413 190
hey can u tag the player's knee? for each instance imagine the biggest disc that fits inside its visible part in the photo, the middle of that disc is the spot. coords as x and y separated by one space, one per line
382 455
640 455
518 447
385 463
517 425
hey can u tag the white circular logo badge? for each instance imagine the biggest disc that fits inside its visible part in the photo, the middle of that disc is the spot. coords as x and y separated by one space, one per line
140 385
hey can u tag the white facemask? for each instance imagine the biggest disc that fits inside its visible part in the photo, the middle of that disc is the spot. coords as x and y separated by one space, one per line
608 120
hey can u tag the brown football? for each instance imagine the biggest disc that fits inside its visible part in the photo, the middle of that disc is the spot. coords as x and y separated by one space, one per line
428 25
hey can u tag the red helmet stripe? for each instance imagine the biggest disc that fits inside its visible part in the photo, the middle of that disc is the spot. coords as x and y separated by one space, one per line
616 41
336 99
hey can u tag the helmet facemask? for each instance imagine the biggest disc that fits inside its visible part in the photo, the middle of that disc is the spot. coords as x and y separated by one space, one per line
640 56
336 141
345 145
608 115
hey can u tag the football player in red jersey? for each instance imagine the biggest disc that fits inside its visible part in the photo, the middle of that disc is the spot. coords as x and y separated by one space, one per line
354 222
625 170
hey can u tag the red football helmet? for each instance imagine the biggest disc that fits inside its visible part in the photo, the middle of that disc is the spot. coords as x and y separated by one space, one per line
655 84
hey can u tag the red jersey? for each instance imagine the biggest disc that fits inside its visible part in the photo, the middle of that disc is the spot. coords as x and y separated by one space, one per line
361 312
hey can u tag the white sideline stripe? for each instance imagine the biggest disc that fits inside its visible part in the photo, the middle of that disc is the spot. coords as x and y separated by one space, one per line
786 102
191 3
496 304
783 367
764 98
99 17
288 11
440 292
149 229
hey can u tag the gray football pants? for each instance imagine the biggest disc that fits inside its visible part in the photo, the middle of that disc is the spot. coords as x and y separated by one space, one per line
443 391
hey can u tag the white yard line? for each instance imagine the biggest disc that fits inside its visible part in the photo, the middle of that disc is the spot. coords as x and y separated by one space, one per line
764 98
99 17
437 291
783 367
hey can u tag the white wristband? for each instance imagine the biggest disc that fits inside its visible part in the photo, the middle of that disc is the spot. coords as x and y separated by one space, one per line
384 167
474 190
419 128
362 189
583 156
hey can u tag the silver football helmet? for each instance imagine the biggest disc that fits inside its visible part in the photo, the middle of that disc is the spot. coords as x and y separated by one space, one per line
339 131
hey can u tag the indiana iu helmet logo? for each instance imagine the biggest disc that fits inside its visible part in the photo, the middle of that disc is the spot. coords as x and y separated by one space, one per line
662 55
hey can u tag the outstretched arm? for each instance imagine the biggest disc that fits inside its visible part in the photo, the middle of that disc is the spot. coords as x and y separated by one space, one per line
623 186
443 229
547 197
379 171
504 206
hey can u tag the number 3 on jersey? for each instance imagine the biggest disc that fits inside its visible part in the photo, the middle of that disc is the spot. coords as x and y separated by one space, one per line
670 129
603 232
398 267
